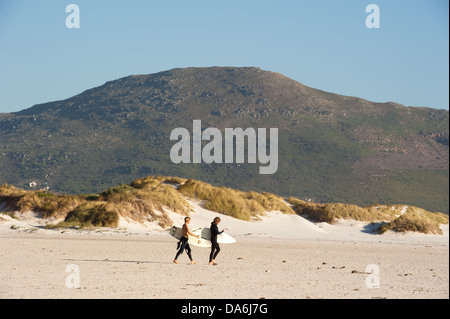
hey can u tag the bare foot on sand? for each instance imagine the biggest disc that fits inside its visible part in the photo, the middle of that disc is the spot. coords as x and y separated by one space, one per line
193 262
212 263
175 261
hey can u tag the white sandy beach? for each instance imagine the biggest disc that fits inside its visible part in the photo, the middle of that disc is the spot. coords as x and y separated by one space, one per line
279 256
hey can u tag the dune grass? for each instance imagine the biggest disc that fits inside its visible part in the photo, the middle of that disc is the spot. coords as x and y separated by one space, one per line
47 203
398 218
146 201
331 212
235 203
90 214
220 199
161 194
407 223
149 198
417 220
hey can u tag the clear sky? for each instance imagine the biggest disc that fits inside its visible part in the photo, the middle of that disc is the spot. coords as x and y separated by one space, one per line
324 44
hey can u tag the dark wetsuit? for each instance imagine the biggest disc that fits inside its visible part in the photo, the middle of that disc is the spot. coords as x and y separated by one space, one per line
215 248
184 244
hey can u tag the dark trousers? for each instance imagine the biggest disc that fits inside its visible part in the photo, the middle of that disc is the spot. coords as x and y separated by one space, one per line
184 246
215 249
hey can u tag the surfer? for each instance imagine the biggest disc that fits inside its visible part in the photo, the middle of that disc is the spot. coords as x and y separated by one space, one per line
215 248
183 243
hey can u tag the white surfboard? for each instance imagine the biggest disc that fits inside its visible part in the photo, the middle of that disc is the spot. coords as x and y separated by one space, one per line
177 232
205 233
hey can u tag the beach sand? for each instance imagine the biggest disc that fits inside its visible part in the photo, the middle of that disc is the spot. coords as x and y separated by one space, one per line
279 256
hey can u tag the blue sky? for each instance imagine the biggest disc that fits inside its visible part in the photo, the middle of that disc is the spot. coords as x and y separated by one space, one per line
324 44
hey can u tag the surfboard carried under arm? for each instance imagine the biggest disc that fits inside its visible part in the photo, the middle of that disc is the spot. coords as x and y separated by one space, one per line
177 232
205 233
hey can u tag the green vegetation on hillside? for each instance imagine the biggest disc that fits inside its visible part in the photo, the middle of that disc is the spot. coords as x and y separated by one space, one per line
332 148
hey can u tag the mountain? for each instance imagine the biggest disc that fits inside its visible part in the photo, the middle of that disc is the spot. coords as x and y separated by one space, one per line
332 148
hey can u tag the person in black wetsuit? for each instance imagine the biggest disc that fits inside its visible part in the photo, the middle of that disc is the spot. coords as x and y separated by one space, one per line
215 248
183 243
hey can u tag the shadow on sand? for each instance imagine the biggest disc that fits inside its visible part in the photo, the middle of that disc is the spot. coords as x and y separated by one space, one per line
106 260
373 228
